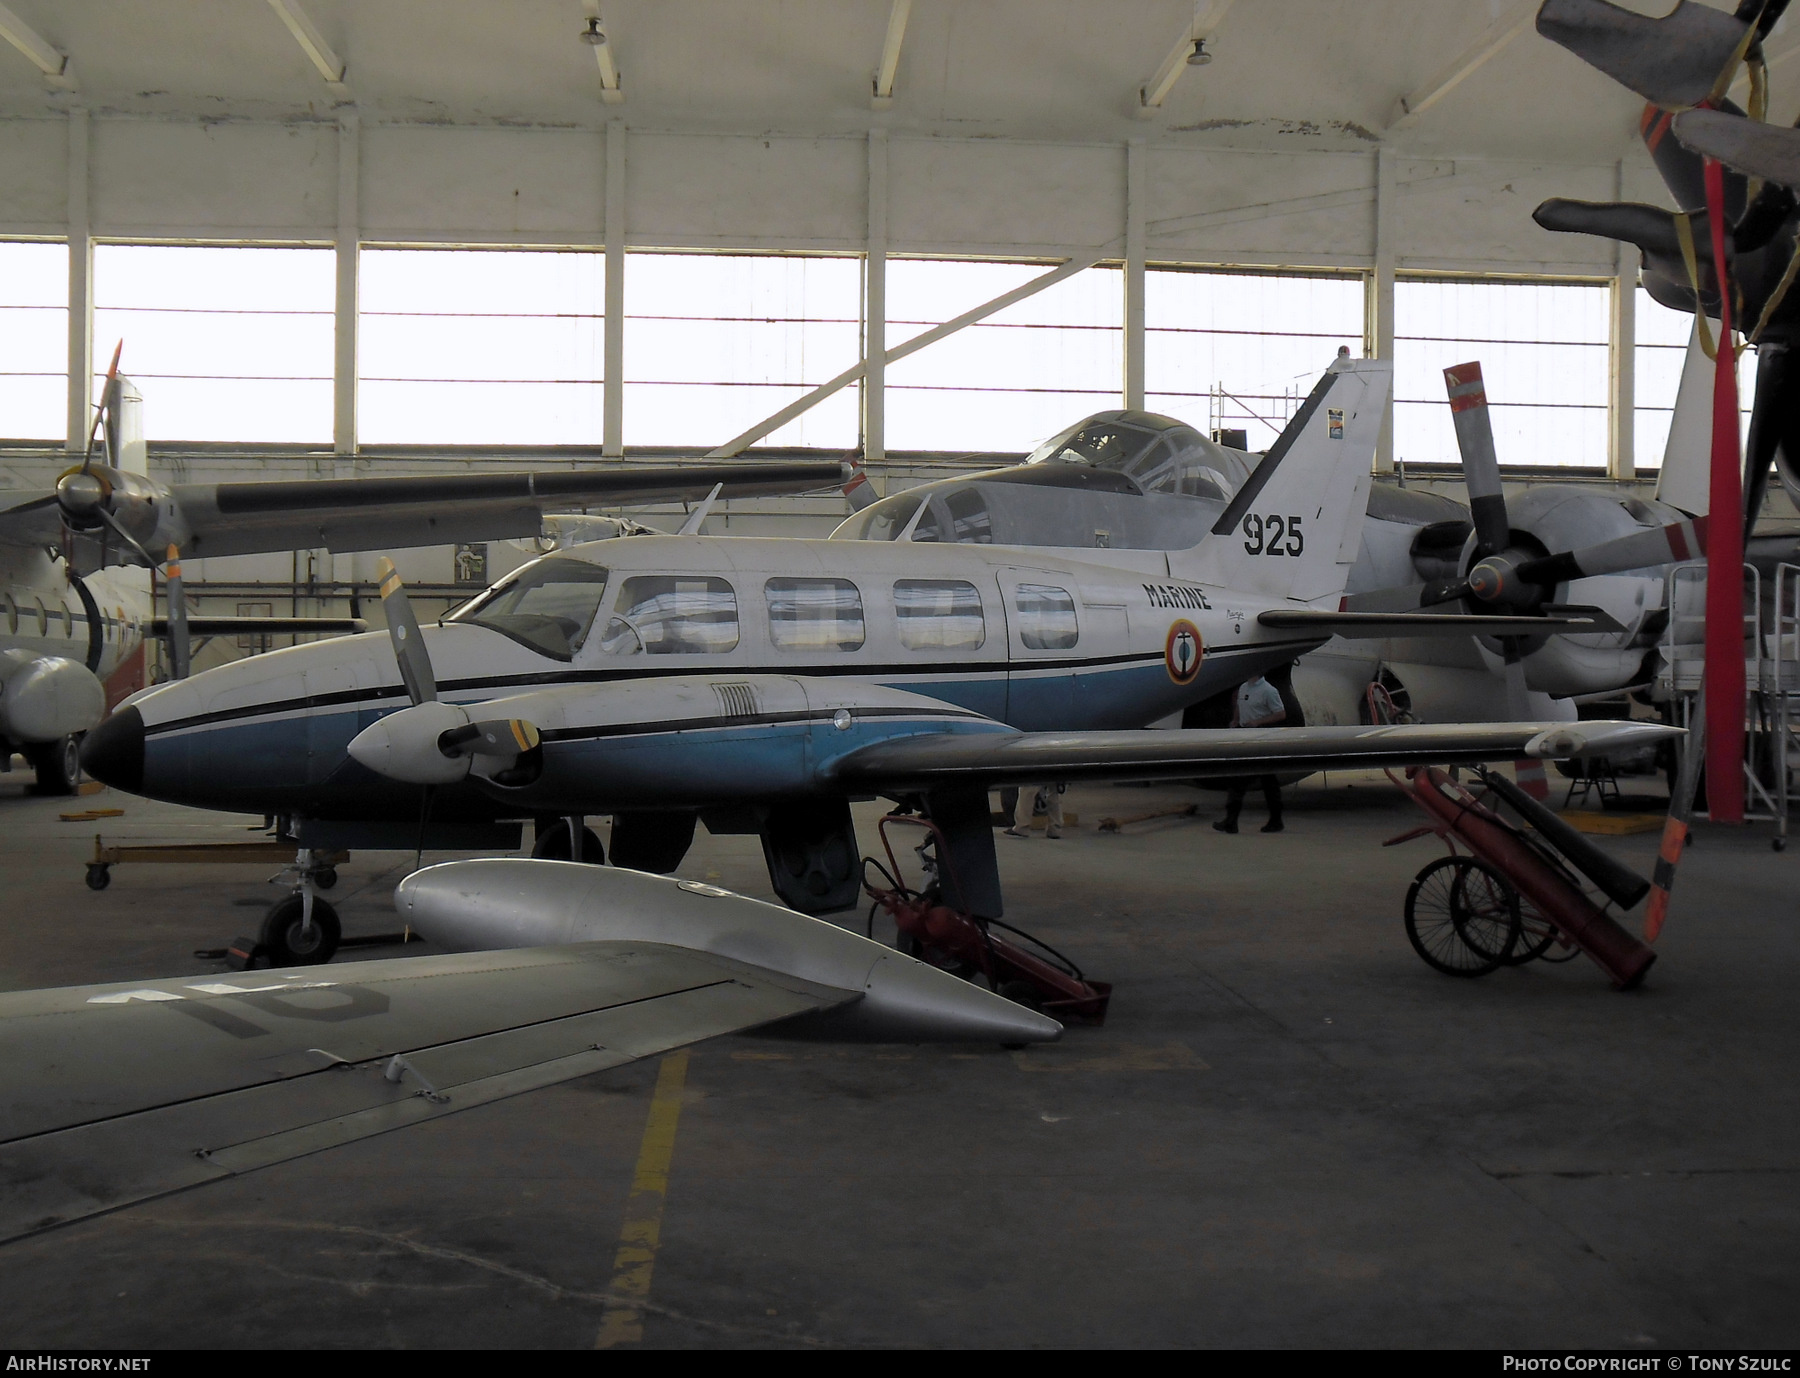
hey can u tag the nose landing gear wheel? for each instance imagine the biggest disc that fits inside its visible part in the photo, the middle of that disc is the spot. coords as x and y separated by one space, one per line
1462 916
289 942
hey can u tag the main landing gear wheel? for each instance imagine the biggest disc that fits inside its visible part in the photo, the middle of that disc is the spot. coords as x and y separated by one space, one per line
290 943
1462 916
58 765
553 845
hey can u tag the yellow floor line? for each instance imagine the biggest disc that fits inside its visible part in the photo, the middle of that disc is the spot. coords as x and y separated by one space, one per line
623 1320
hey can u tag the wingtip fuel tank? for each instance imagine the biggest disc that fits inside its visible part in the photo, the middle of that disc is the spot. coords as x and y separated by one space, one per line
510 902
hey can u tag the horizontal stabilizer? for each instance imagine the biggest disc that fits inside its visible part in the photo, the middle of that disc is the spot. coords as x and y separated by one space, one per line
1382 624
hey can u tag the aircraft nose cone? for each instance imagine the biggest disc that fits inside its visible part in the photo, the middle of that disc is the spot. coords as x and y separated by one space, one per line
113 753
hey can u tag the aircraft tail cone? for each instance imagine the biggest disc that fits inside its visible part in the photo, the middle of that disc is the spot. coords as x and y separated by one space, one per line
476 905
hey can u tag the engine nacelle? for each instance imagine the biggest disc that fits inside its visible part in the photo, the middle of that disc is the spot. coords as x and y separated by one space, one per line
43 698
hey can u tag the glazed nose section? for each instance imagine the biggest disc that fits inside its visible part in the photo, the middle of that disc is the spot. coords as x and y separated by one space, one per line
113 753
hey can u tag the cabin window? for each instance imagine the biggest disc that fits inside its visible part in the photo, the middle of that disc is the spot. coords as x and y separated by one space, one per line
1046 617
43 618
939 615
12 613
814 614
668 614
548 606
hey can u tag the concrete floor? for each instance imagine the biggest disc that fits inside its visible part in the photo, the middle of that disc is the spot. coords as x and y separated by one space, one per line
1290 1131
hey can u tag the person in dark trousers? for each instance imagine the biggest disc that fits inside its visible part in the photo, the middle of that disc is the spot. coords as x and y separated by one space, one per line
1258 705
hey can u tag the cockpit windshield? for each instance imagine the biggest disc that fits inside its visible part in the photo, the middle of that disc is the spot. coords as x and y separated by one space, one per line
881 521
548 605
1158 453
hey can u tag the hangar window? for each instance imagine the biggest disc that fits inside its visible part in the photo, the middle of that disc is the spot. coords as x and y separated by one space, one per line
814 614
481 346
225 342
1007 381
547 606
939 615
1543 349
1240 351
716 342
660 614
1046 617
34 340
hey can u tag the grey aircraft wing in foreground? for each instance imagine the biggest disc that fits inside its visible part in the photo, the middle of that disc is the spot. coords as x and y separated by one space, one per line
118 1093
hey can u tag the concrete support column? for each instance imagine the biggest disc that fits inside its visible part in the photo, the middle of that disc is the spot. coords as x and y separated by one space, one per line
874 381
344 365
613 442
81 285
1136 190
1378 334
1621 401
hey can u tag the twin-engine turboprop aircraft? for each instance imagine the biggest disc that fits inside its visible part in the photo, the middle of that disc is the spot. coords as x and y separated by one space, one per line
761 684
75 557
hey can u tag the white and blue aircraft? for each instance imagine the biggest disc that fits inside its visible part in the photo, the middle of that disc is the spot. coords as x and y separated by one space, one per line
760 684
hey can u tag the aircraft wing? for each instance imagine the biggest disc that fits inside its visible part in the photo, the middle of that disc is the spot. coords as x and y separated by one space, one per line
119 1093
935 760
388 513
262 626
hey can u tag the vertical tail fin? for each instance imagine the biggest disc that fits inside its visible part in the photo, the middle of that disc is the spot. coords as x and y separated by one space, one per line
1295 527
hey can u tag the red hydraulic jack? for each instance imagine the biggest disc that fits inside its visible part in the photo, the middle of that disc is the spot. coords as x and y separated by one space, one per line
956 941
1539 866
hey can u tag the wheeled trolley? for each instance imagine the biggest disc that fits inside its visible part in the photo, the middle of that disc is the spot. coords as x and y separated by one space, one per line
1021 968
1520 893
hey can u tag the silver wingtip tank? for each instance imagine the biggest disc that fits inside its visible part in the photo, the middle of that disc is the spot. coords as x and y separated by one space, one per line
509 902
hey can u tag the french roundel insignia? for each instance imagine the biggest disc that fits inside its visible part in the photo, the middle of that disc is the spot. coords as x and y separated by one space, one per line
1183 651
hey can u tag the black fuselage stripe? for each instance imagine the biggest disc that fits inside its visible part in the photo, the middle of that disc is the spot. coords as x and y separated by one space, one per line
551 679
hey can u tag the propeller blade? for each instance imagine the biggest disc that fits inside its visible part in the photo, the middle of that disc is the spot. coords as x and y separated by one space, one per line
179 651
403 632
1768 151
1674 61
1405 597
112 372
691 527
125 536
1640 550
1529 772
1481 469
506 738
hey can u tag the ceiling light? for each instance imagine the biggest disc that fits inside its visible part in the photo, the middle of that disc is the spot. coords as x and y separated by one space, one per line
596 39
1199 57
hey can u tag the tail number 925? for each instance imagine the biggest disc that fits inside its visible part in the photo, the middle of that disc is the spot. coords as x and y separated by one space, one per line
1273 535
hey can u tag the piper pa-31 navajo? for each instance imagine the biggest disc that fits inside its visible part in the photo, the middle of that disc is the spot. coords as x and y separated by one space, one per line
75 557
761 684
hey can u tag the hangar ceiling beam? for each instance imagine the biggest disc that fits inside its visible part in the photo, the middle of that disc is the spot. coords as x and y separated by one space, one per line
611 91
321 54
890 55
1448 77
44 55
774 422
1207 15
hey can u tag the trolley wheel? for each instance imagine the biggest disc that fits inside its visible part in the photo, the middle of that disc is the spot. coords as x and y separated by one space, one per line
99 875
1536 934
325 879
1778 844
1462 917
1021 993
290 943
